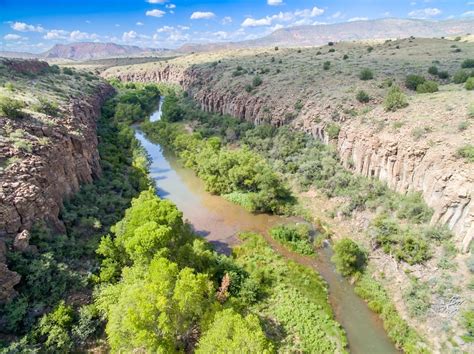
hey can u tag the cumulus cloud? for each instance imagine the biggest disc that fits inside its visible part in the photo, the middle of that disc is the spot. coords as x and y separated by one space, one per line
226 20
24 27
155 13
13 37
298 17
171 6
81 36
274 2
353 19
129 36
425 13
56 34
199 15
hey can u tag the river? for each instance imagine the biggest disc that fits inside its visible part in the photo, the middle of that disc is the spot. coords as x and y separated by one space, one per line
219 221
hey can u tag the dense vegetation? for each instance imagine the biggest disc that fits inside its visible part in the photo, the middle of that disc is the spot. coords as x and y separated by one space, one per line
60 266
295 236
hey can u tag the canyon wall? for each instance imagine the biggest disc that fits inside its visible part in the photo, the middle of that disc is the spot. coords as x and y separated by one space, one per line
446 182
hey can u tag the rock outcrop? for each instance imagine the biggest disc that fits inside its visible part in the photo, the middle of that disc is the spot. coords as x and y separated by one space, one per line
446 183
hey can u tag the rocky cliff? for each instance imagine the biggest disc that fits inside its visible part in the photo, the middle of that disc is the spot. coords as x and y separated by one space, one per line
445 181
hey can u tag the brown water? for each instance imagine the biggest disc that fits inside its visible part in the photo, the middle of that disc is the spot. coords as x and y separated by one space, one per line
219 221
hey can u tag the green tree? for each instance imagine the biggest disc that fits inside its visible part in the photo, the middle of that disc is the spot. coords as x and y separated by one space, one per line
11 108
230 332
55 327
172 111
412 81
348 257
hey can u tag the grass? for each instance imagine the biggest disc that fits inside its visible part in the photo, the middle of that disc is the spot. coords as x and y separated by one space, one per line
295 236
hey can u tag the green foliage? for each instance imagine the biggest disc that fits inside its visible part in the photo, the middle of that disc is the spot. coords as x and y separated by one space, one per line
395 99
333 129
230 332
466 152
326 65
55 328
413 208
345 57
460 76
47 107
366 74
469 85
433 70
11 108
412 81
349 258
467 63
397 329
468 323
427 87
68 71
417 298
295 236
257 81
362 96
443 75
172 111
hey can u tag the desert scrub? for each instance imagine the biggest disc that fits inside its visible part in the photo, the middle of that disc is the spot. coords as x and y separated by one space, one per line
417 298
469 85
396 327
257 81
460 76
466 152
326 65
333 129
433 70
47 107
427 87
412 81
11 108
295 236
362 96
366 74
395 99
468 63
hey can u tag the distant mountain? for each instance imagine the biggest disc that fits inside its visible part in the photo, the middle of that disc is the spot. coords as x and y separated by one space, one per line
90 50
86 51
321 34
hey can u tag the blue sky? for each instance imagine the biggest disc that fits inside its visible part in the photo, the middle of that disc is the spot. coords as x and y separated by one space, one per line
36 25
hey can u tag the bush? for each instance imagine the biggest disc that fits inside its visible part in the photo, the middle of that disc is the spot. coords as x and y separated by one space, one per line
333 129
468 63
427 87
443 75
296 236
362 96
412 81
417 298
332 50
47 107
68 71
466 152
257 81
469 84
348 257
11 108
433 70
468 324
55 327
460 77
395 99
345 57
366 74
326 65
370 49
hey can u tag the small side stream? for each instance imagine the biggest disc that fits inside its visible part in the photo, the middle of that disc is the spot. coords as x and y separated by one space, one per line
220 221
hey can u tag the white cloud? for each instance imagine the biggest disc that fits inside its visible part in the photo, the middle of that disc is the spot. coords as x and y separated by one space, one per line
298 17
129 36
171 6
226 20
157 1
425 13
24 27
155 13
337 14
250 22
13 37
274 2
56 34
199 15
468 14
81 36
353 19
139 23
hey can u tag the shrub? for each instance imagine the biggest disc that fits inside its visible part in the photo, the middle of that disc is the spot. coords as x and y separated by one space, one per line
468 63
412 81
248 88
345 57
370 49
56 326
47 107
332 50
68 71
466 152
9 86
348 257
11 108
412 249
366 74
433 70
296 236
362 96
417 298
469 84
468 323
276 48
333 129
443 75
395 99
460 77
326 65
427 87
257 81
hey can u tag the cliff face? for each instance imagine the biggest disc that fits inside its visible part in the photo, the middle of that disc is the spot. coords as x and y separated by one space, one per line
446 182
35 187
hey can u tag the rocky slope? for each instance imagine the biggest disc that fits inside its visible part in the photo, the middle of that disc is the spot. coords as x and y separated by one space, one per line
44 160
397 157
